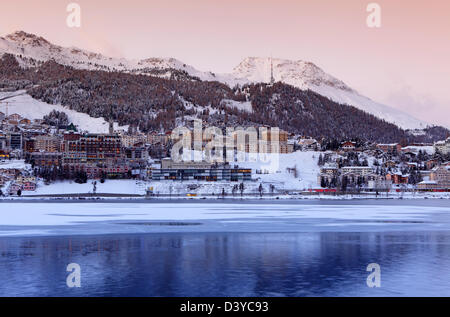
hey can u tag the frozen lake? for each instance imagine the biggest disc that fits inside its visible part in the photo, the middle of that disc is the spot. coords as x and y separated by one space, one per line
228 248
128 216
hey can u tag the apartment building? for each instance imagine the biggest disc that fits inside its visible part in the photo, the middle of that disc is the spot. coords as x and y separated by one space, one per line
47 143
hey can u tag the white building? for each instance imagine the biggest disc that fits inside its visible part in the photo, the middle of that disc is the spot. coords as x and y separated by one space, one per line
443 146
379 184
358 170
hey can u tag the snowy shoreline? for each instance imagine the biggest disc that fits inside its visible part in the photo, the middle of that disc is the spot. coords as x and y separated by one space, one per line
302 197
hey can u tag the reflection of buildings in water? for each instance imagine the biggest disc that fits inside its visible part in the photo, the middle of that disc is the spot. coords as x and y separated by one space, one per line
222 263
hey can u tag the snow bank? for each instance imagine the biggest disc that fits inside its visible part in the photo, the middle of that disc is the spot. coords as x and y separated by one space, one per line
129 187
14 164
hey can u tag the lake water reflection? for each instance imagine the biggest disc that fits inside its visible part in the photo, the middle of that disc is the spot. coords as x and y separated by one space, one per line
228 264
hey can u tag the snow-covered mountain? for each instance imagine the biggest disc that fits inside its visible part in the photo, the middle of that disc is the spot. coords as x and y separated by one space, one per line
28 47
305 75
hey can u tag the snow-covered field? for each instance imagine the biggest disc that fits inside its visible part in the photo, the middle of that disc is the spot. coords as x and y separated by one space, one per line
127 187
277 170
415 149
30 108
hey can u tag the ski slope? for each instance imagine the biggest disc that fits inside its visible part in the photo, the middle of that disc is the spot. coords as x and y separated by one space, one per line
30 108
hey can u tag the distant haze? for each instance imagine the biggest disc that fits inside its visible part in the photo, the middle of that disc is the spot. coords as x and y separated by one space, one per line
405 63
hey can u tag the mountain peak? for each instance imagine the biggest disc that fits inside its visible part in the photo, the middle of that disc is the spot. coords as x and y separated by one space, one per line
25 38
302 74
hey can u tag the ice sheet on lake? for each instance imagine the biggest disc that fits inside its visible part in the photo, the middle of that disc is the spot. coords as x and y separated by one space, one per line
28 218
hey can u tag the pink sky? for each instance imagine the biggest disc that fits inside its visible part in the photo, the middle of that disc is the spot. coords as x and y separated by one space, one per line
405 63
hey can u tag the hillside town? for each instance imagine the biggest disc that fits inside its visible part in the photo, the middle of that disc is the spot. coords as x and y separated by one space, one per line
41 152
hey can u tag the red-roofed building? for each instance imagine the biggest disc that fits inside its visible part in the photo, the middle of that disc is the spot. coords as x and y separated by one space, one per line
348 146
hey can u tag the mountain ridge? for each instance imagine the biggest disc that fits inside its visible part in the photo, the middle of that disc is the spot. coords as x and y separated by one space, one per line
304 75
150 103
